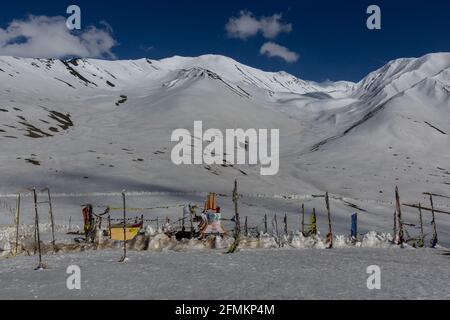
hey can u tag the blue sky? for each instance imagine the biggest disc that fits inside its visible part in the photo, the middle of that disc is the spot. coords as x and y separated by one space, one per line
330 37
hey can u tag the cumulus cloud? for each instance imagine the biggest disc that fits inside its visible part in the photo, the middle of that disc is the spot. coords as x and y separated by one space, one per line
246 25
271 49
49 37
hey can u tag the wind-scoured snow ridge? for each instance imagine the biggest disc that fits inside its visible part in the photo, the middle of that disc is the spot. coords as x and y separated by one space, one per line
88 74
238 73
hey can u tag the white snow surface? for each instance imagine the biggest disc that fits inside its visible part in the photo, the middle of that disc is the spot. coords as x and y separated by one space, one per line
254 274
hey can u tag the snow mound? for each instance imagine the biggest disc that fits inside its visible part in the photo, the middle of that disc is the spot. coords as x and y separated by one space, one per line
26 234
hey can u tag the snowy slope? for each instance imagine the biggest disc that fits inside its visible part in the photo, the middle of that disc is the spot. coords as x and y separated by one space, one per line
122 111
397 129
88 125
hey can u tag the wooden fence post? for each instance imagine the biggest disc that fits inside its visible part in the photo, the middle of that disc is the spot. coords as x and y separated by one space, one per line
434 240
183 223
422 236
395 223
191 221
303 220
354 227
52 221
124 258
36 226
246 226
237 226
399 237
17 225
276 230
109 226
330 230
265 223
35 237
236 211
313 223
285 224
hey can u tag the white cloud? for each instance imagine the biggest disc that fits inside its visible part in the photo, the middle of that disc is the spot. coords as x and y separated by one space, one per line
271 49
146 48
49 37
246 25
272 26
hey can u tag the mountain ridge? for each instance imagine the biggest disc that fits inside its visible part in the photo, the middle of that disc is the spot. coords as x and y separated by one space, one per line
67 120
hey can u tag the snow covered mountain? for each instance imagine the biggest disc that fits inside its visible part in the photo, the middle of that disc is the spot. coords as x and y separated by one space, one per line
89 125
396 129
81 109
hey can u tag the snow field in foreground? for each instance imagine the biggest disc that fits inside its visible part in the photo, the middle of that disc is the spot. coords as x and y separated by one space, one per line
248 274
